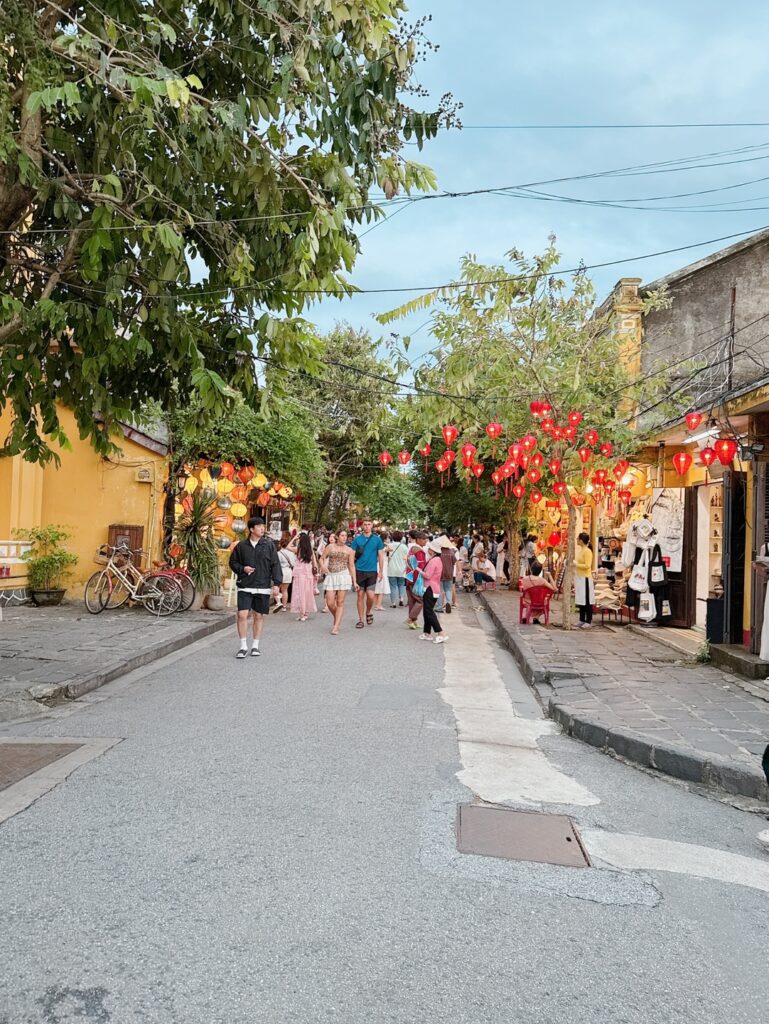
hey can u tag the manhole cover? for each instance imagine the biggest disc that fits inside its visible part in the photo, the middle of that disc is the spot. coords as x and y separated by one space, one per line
18 760
519 835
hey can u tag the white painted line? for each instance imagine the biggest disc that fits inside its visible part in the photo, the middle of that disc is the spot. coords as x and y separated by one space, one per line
18 797
501 758
641 853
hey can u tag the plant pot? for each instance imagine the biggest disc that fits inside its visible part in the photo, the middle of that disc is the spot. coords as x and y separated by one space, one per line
47 598
215 602
197 603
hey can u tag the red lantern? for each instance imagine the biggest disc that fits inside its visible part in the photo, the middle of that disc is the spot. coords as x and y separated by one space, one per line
468 454
537 459
524 462
558 433
425 451
404 457
570 432
519 490
239 493
385 459
545 408
450 434
493 430
534 475
536 408
536 497
726 449
600 475
449 456
529 443
478 469
708 457
591 437
497 476
585 472
507 470
227 470
441 465
625 497
515 451
559 487
554 539
693 420
575 418
555 466
607 449
584 454
547 425
621 468
246 474
682 461
608 486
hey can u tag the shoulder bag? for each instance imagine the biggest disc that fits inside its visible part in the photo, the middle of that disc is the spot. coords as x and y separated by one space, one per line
658 576
639 578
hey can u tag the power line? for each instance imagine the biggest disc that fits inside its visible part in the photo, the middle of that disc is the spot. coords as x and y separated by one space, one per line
607 127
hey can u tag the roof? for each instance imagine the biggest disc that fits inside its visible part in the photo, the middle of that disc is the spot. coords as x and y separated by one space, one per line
145 440
715 257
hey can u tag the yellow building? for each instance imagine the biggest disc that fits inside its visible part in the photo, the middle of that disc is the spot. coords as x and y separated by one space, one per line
86 494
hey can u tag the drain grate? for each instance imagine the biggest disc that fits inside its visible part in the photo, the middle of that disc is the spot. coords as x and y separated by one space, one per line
18 760
519 835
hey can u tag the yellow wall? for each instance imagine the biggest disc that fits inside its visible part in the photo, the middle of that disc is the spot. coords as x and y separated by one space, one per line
85 494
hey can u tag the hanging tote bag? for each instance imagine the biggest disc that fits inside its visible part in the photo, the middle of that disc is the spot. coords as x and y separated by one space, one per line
639 578
418 588
658 575
412 569
647 608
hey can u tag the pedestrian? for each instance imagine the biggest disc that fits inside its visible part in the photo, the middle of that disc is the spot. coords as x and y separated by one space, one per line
339 566
257 568
305 571
484 570
416 561
382 588
287 561
501 559
531 549
368 550
584 588
396 569
449 559
431 576
327 601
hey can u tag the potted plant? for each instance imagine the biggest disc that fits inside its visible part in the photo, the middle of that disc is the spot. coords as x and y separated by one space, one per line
48 563
195 534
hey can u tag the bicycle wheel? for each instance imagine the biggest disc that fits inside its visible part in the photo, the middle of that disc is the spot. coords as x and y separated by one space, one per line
160 594
188 590
117 592
96 592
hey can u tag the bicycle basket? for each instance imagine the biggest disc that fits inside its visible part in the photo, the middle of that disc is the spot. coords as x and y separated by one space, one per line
102 555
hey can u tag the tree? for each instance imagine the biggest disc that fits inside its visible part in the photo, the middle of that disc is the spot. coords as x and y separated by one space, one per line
510 335
177 182
393 498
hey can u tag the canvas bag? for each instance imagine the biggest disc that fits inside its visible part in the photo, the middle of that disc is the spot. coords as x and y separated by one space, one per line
639 578
647 608
657 569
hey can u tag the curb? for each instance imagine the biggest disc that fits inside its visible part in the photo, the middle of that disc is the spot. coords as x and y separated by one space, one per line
678 762
71 689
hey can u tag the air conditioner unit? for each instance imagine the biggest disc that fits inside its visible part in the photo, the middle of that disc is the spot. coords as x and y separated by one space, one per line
144 475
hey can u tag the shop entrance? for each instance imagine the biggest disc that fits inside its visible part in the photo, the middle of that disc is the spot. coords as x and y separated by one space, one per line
735 523
683 584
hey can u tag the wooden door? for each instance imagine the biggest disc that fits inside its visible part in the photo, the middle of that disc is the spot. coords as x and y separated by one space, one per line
683 585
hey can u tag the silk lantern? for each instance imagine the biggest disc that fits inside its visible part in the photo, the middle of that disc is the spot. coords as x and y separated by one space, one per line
608 486
554 466
404 457
584 454
693 420
559 487
227 469
467 451
558 433
449 456
534 475
224 485
190 484
519 490
450 434
682 461
515 451
239 493
600 475
545 408
239 510
547 425
575 418
425 452
708 457
385 459
625 497
524 462
621 468
216 472
246 474
493 430
591 437
529 443
537 459
726 449
536 408
607 449
478 469
535 497
570 432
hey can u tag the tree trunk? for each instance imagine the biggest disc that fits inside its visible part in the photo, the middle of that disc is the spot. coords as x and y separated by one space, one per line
322 505
568 581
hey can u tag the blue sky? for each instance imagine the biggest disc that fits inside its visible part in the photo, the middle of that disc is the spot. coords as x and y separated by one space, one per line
566 63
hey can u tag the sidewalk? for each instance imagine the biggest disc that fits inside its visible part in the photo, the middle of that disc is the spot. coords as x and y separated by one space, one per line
55 653
629 695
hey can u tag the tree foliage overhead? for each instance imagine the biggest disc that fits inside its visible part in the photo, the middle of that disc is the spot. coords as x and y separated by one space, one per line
149 144
392 497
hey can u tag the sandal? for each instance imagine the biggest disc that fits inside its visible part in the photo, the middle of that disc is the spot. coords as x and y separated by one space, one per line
359 624
369 620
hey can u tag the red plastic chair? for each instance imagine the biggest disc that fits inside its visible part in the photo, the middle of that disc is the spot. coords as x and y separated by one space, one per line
535 602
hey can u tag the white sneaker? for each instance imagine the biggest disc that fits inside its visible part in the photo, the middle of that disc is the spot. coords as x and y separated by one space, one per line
425 636
440 639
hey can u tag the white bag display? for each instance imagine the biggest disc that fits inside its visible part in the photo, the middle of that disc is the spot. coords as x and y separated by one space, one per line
639 578
647 608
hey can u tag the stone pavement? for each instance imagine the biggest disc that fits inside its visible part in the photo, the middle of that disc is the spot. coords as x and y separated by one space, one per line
64 652
629 695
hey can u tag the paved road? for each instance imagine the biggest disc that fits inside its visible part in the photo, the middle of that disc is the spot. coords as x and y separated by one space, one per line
273 841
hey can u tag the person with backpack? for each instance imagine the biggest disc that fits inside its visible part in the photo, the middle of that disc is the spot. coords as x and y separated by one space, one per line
257 568
368 551
416 561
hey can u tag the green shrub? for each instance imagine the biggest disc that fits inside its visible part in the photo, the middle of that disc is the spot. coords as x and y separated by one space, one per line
48 562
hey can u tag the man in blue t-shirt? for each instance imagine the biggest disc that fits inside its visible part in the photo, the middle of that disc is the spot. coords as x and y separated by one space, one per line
369 567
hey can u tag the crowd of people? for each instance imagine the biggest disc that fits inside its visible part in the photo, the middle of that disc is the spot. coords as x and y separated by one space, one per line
416 570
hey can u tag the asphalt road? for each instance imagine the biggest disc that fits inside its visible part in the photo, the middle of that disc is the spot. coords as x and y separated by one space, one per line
273 841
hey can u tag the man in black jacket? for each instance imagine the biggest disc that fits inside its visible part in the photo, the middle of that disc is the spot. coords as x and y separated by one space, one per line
256 565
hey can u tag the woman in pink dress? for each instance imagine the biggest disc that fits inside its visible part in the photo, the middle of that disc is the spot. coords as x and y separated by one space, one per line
305 571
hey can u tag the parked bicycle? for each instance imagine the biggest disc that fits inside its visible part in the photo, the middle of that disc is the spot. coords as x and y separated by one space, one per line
180 574
121 580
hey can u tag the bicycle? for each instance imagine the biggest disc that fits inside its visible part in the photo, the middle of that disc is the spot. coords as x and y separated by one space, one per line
182 577
121 581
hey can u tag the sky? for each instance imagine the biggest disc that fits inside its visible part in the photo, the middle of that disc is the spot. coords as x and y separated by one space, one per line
576 64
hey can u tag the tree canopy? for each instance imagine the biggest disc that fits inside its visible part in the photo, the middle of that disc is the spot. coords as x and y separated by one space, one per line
393 497
178 181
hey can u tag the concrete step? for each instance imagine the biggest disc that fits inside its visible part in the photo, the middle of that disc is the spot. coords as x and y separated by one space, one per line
736 658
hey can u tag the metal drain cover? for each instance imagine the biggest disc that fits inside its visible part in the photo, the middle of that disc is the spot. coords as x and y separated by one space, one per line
519 835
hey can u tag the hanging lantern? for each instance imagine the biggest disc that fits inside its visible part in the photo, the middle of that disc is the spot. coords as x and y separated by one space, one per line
449 456
524 462
575 418
570 432
547 425
708 456
227 469
215 472
259 481
450 434
222 543
591 437
425 452
536 408
625 497
224 485
404 457
726 449
497 477
385 459
493 430
239 510
545 408
478 469
621 468
682 461
608 486
467 451
205 478
181 477
559 487
554 539
515 451
178 509
529 443
607 449
554 466
535 497
519 490
534 475
246 474
239 493
224 503
558 433
600 475
239 525
190 484
693 420
537 459
584 454
507 470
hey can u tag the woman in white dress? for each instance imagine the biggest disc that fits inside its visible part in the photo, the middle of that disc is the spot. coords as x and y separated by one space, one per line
382 588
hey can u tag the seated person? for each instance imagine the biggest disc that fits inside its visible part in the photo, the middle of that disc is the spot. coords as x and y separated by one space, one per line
536 579
484 570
